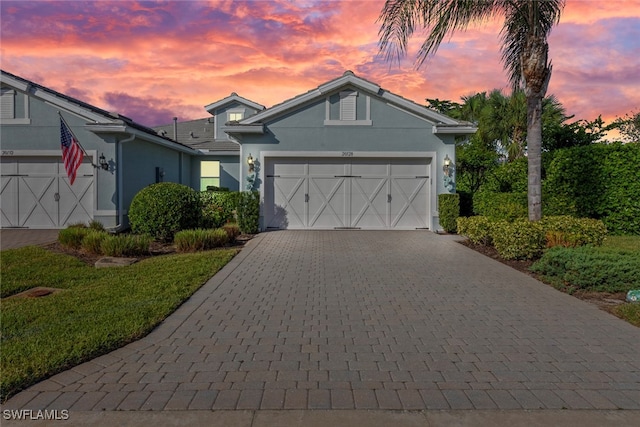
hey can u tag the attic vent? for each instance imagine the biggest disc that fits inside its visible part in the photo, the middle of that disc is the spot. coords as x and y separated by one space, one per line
7 104
348 105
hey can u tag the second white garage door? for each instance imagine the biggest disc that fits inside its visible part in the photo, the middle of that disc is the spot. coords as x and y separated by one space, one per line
346 193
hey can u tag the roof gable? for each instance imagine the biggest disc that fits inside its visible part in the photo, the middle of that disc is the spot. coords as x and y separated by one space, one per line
350 80
233 98
99 120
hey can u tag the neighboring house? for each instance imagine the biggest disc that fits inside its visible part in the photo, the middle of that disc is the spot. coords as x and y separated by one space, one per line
35 190
218 165
348 154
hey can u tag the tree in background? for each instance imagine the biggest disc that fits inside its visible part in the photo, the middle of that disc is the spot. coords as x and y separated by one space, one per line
527 25
629 127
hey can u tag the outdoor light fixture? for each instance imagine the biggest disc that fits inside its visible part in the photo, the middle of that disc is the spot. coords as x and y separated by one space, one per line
103 162
250 163
447 164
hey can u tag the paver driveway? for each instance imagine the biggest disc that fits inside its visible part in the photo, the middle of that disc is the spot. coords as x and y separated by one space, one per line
363 319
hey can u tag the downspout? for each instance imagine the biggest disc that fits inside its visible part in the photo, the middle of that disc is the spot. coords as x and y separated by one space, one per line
120 183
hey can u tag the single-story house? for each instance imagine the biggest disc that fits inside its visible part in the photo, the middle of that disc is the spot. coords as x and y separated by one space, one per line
347 154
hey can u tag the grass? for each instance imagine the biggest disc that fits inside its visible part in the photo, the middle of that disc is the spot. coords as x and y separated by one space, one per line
98 310
629 312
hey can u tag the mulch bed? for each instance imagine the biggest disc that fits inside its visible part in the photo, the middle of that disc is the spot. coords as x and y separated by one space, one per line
155 249
604 300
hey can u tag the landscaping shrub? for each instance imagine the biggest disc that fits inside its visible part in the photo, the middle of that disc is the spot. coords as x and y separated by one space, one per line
519 239
476 228
163 209
92 242
568 231
249 212
506 206
449 211
126 245
96 225
232 230
72 236
200 239
596 181
590 268
218 208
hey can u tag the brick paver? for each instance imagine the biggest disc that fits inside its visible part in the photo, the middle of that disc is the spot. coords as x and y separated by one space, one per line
366 320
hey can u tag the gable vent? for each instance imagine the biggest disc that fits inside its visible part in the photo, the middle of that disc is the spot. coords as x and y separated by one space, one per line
348 105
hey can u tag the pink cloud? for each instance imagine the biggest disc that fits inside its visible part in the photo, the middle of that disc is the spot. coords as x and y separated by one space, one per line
189 54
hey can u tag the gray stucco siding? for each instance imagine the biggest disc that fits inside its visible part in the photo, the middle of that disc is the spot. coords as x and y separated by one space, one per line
221 116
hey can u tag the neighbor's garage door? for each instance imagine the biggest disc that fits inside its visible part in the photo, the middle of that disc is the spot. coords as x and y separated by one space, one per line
347 193
35 193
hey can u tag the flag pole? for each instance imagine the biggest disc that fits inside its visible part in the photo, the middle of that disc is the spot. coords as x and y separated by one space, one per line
77 140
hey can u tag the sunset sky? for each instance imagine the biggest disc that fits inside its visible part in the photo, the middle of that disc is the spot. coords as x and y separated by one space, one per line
152 61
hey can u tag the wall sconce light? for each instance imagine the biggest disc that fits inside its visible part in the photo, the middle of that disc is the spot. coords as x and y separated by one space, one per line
251 164
447 164
103 162
447 177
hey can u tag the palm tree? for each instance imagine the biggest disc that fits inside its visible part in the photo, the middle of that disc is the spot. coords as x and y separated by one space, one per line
526 27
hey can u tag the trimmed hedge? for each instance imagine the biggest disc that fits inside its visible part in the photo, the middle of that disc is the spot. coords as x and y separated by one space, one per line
249 212
218 208
519 239
596 181
504 206
524 239
449 211
163 209
476 228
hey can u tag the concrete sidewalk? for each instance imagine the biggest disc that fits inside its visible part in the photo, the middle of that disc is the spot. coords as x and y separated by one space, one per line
364 320
321 418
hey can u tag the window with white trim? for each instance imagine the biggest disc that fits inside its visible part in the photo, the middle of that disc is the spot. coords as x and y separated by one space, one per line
235 115
209 174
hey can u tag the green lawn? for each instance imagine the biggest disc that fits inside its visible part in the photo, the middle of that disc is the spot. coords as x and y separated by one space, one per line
98 310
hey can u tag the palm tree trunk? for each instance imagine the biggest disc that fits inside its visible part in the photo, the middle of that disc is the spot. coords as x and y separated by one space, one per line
534 156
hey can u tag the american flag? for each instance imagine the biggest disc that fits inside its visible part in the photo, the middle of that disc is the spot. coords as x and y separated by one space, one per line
71 151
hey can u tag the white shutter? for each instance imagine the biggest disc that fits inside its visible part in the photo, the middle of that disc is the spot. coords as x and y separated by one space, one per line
348 105
7 104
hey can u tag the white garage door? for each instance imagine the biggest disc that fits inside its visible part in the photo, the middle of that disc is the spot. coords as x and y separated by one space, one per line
347 193
35 193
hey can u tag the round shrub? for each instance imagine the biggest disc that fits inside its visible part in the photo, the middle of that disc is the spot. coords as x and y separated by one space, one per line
163 209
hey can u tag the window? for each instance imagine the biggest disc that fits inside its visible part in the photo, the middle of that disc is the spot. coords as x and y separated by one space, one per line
209 174
7 104
235 115
348 105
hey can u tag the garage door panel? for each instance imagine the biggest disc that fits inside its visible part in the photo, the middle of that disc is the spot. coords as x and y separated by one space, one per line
326 202
37 202
409 201
369 203
9 197
289 203
76 201
370 167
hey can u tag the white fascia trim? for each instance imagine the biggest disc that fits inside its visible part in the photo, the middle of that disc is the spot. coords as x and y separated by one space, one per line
15 122
348 79
69 107
418 109
454 130
244 129
17 84
121 128
237 98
